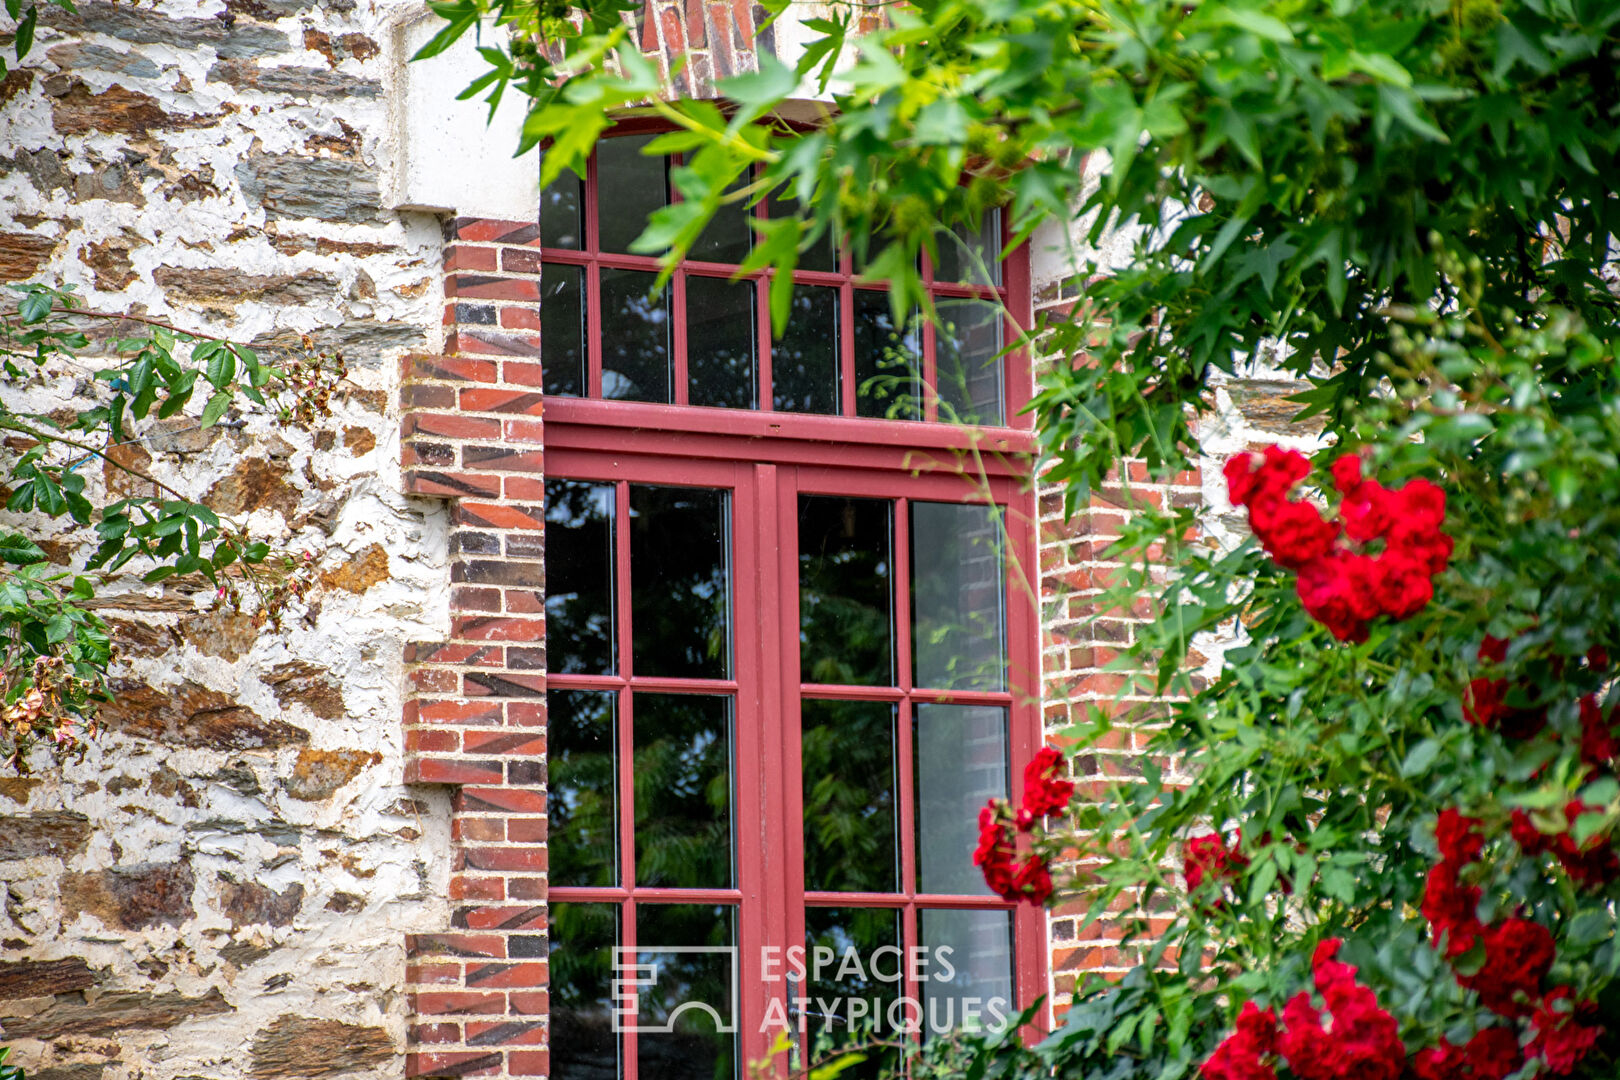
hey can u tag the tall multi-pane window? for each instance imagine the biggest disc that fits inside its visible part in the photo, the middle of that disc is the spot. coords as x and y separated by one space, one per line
790 649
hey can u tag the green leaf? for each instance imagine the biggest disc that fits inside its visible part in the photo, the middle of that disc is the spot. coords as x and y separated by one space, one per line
217 406
1255 22
1420 757
17 548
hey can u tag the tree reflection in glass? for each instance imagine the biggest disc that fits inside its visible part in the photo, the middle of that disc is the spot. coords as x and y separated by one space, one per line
694 993
958 637
581 799
583 1043
579 577
680 592
683 791
850 833
851 990
846 627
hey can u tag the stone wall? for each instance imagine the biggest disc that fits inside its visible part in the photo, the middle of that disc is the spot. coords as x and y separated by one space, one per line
224 886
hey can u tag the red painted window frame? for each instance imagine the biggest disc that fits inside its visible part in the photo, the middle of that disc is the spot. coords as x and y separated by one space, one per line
766 459
1013 292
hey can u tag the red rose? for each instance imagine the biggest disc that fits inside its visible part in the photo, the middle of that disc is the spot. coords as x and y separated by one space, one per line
1033 881
1518 955
1458 837
1559 1037
1598 744
1209 857
1044 792
1592 865
1242 1055
1450 908
1364 1040
1493 1054
1531 839
1293 533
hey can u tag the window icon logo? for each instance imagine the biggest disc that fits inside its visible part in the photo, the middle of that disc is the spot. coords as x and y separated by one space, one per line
665 988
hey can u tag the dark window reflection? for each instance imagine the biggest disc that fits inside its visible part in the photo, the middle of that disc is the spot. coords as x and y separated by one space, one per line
582 794
694 994
853 956
728 235
969 368
848 758
978 995
580 956
818 256
562 207
579 577
635 337
804 361
680 601
629 187
846 628
720 325
562 329
970 254
888 364
960 758
683 791
958 641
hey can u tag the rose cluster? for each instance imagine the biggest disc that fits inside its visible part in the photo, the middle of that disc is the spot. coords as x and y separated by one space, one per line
1362 1040
1341 582
1518 955
1045 792
1209 859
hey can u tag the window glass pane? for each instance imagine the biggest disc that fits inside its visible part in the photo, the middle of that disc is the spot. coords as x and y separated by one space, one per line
960 755
852 955
581 939
579 578
846 629
683 791
848 762
635 337
888 362
680 598
971 258
562 329
582 795
971 986
562 205
957 637
728 235
969 367
818 256
629 187
720 323
804 361
687 953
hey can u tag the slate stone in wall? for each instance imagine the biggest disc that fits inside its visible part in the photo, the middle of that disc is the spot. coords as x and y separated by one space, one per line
307 684
193 715
44 978
301 1048
83 1071
318 774
24 836
1264 403
77 56
223 287
330 189
77 111
22 254
297 81
132 897
117 1011
255 484
364 343
230 39
248 902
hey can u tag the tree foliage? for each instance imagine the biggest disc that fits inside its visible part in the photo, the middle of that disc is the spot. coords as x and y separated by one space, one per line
54 648
1410 205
